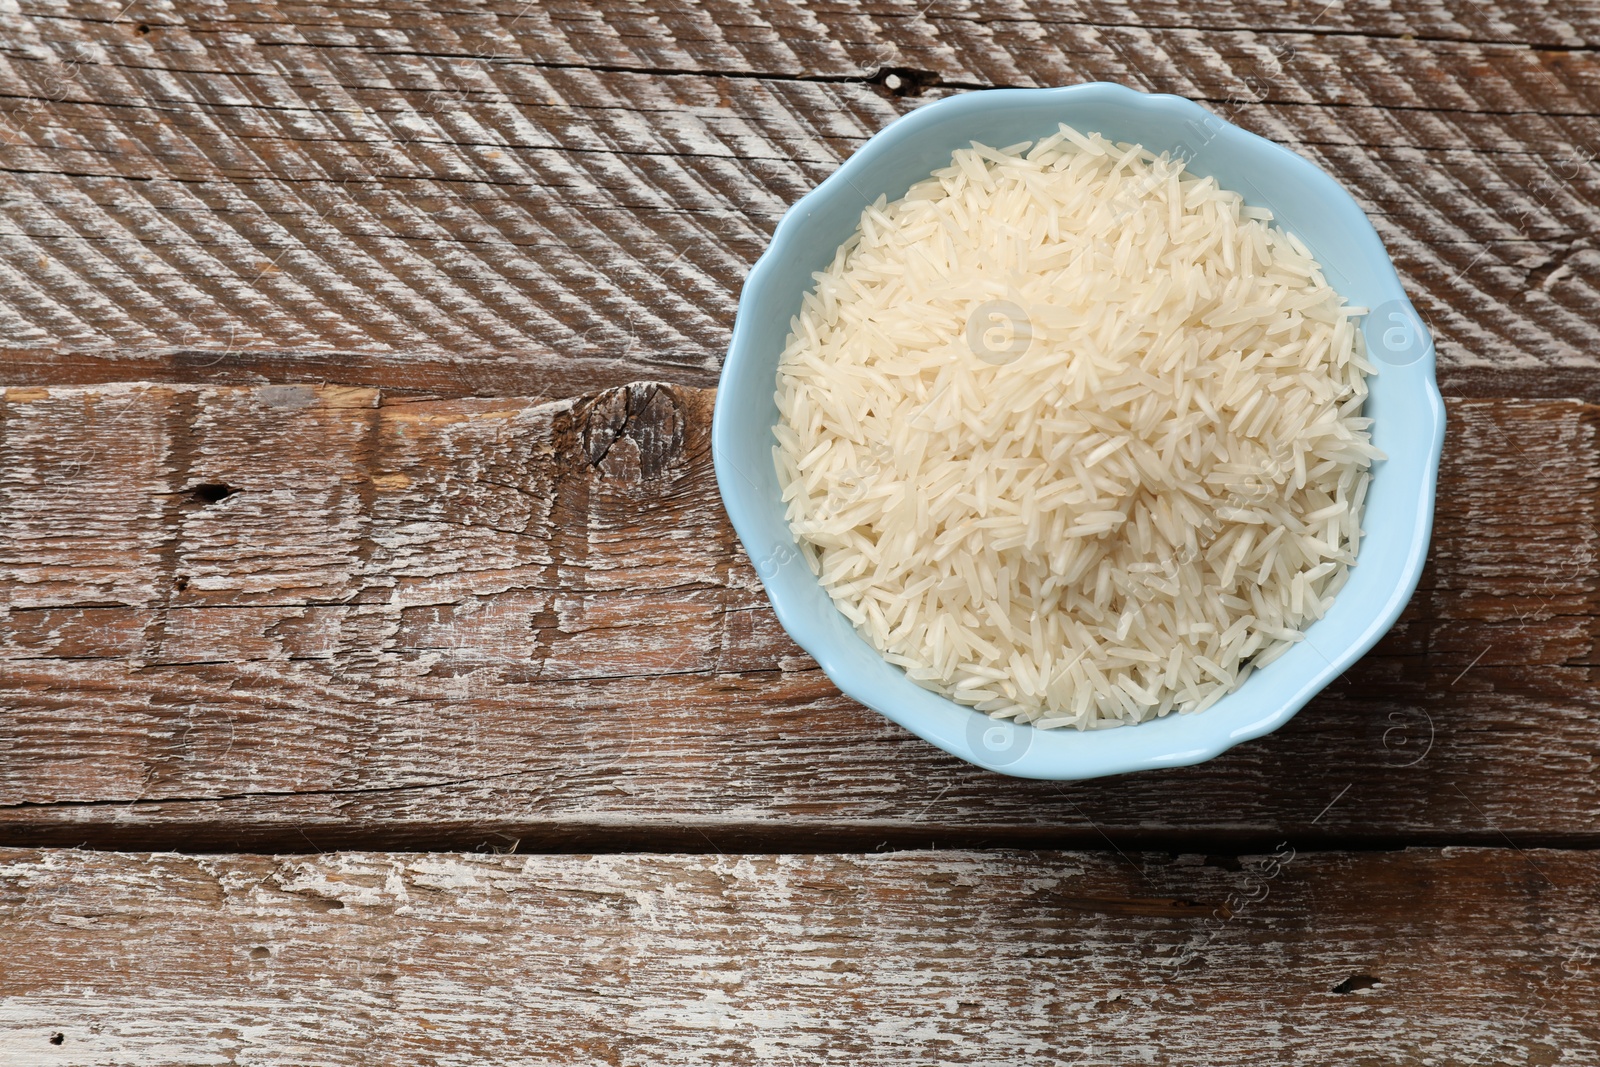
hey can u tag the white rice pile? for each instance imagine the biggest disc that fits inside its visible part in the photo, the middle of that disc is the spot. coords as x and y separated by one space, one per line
1073 436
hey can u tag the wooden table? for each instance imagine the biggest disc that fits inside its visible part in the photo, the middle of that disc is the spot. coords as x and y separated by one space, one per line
381 681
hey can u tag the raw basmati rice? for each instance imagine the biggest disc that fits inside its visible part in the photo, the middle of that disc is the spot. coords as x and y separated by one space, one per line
1074 436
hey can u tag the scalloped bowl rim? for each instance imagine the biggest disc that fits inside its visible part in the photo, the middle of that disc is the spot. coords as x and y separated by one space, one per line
1398 519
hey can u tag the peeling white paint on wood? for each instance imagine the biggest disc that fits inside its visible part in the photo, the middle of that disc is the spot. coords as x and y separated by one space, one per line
1452 957
454 187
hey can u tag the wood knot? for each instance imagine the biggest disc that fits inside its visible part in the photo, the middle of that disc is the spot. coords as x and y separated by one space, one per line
634 433
904 81
1357 982
208 493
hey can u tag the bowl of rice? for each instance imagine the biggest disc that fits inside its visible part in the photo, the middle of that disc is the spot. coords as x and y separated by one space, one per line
1079 431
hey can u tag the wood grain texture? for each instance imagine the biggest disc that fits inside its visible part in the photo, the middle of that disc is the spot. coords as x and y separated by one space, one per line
257 618
1421 957
504 199
355 493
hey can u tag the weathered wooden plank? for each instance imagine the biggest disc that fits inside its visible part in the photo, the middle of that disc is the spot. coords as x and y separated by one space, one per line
258 617
1419 957
782 34
531 199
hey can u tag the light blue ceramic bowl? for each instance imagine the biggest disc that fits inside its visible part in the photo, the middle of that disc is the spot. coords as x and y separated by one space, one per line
1405 404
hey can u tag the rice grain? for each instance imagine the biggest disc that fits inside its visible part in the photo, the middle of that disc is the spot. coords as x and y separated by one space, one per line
1074 436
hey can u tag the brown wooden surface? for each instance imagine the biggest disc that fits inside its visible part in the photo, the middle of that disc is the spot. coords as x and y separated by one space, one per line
1419 957
528 198
357 362
467 622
